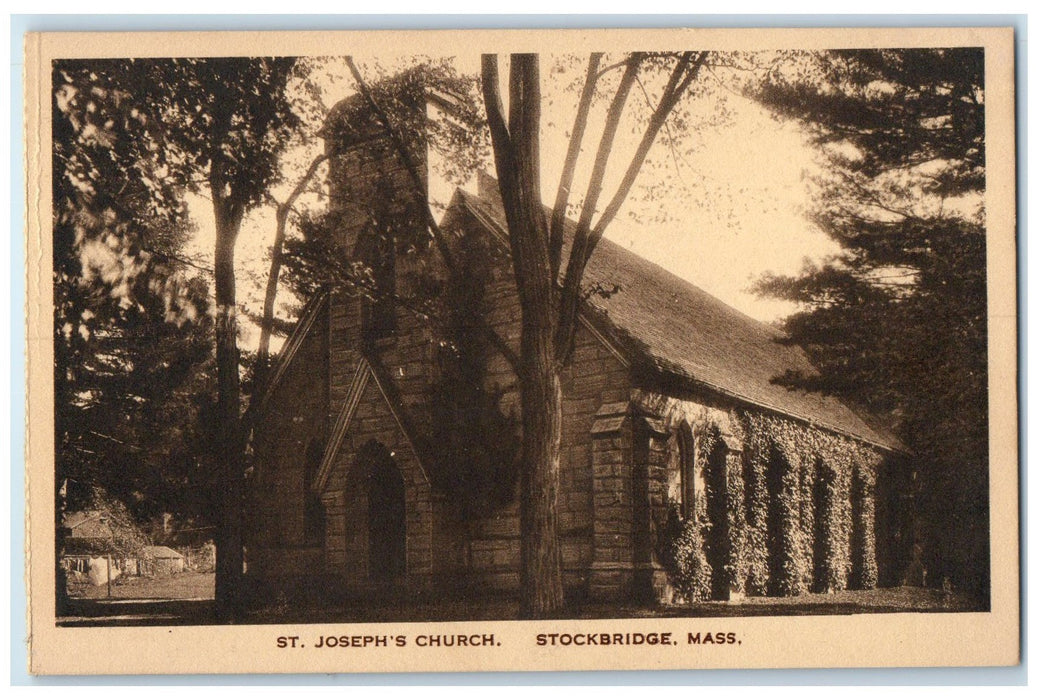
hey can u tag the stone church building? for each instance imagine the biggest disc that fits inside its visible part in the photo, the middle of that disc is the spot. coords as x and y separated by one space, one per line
686 471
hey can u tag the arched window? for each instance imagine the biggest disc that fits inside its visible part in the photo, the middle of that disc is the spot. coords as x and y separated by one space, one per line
715 501
681 472
782 525
825 577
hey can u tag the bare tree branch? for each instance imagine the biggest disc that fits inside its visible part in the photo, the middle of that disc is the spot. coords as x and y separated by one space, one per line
501 139
558 215
267 321
675 157
176 258
574 268
680 79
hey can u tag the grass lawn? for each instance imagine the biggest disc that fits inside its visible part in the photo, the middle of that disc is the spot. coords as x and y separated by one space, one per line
882 600
186 599
189 585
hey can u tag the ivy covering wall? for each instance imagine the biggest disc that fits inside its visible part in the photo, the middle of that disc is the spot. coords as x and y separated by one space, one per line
787 509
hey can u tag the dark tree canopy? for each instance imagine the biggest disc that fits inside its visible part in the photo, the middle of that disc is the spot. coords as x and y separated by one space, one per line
897 320
132 346
131 137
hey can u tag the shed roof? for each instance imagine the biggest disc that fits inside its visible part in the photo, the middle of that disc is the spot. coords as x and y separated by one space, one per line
161 552
86 524
680 330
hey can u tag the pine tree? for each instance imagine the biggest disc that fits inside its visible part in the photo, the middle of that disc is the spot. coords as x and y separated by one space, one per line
896 321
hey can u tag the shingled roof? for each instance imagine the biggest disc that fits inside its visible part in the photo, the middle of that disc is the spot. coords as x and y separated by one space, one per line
678 329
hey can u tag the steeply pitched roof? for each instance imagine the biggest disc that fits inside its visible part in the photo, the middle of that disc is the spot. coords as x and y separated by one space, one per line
680 330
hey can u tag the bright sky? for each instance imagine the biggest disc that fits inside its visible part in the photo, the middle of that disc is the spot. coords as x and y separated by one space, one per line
741 211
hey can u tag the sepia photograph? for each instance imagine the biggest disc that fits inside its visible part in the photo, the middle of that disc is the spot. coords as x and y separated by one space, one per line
650 342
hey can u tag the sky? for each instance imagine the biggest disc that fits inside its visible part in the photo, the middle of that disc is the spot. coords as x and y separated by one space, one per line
726 205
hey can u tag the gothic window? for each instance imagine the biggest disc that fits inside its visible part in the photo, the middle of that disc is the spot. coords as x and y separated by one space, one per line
824 576
715 500
681 472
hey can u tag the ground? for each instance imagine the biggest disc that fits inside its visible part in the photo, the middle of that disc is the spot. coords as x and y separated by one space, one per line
188 585
186 599
181 599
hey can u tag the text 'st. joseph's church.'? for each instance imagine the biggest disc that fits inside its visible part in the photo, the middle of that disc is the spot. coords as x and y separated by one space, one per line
385 443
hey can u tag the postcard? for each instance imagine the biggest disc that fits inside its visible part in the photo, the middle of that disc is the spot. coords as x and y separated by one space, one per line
521 350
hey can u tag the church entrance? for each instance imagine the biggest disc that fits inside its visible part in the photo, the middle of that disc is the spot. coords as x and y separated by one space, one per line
387 526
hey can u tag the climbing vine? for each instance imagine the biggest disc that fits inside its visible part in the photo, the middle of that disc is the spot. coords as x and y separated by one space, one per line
811 503
684 557
480 473
794 514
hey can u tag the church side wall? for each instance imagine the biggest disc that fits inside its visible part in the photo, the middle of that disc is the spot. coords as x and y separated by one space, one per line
484 551
797 505
291 428
594 378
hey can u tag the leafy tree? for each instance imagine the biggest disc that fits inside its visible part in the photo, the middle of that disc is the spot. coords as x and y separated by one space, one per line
231 118
218 127
130 319
896 321
131 327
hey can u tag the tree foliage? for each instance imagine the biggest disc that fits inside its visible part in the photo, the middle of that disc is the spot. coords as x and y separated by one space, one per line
896 321
132 136
131 319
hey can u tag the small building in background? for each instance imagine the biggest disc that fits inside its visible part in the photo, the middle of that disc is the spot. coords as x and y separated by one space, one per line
160 561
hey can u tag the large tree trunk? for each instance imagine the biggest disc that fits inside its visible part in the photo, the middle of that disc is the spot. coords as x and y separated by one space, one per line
228 485
549 315
517 156
540 388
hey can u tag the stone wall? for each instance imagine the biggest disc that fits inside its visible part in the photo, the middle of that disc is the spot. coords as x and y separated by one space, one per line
482 550
292 424
371 189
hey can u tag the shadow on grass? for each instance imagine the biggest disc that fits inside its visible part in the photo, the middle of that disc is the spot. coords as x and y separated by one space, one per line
280 610
97 612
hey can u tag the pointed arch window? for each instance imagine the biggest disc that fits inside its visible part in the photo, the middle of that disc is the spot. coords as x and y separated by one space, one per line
681 472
